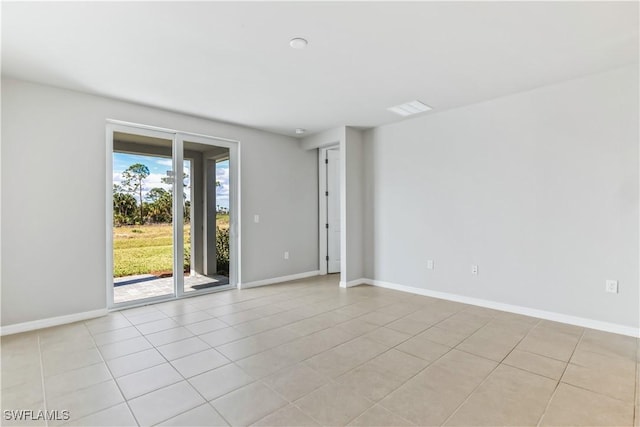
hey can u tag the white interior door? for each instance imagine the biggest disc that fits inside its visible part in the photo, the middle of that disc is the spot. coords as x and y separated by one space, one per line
333 210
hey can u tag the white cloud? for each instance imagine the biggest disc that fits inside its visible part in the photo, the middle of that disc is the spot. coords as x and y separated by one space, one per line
154 180
222 175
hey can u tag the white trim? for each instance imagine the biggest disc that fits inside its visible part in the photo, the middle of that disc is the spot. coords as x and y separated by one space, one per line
321 139
177 222
110 129
153 129
343 206
235 213
526 311
235 238
355 282
322 211
113 126
51 321
323 249
278 279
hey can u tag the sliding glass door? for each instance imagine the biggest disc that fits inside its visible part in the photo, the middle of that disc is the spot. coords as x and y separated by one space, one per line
172 202
208 222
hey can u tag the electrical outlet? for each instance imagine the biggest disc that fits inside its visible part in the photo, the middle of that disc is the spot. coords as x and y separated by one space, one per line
286 255
430 264
611 286
256 218
474 269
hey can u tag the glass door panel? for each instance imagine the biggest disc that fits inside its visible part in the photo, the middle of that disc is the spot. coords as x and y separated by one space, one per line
143 217
171 233
206 215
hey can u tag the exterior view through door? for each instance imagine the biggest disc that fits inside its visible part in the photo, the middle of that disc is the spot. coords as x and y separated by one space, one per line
170 231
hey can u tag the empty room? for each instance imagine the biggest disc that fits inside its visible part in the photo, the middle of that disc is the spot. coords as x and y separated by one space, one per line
320 213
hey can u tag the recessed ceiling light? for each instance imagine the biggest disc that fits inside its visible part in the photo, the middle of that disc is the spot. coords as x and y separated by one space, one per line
300 131
298 43
410 108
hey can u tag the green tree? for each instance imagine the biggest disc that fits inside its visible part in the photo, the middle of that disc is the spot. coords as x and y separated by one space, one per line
124 206
186 205
222 250
159 206
187 211
133 181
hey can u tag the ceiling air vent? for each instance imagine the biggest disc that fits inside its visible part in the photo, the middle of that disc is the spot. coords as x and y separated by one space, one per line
410 108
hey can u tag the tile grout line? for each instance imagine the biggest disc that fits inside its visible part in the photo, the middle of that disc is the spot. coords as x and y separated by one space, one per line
555 390
430 363
185 379
44 392
333 380
498 364
635 391
528 371
290 402
541 355
89 386
412 377
126 401
266 330
359 300
111 373
198 336
390 348
599 393
142 335
388 410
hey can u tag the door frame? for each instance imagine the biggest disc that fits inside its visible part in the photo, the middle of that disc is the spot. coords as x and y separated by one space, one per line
322 206
234 207
205 180
177 137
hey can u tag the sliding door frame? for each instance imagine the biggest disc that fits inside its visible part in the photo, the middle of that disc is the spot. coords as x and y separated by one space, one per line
234 207
178 138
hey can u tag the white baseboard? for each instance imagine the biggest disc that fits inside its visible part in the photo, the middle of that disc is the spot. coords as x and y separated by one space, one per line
356 282
541 314
51 321
278 279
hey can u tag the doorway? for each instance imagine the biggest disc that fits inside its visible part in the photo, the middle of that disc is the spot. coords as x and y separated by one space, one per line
330 224
170 234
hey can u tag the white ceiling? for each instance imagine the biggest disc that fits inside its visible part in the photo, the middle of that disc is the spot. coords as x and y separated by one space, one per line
232 61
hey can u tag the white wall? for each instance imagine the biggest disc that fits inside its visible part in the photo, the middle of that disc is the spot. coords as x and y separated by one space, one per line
353 203
540 189
53 204
350 141
322 139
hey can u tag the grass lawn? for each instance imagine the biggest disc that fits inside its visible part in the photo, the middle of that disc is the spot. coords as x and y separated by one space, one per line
144 249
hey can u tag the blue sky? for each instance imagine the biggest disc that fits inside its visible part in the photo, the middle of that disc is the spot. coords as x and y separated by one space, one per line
158 167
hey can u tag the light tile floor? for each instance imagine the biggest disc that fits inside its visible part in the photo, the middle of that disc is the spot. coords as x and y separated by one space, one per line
309 353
